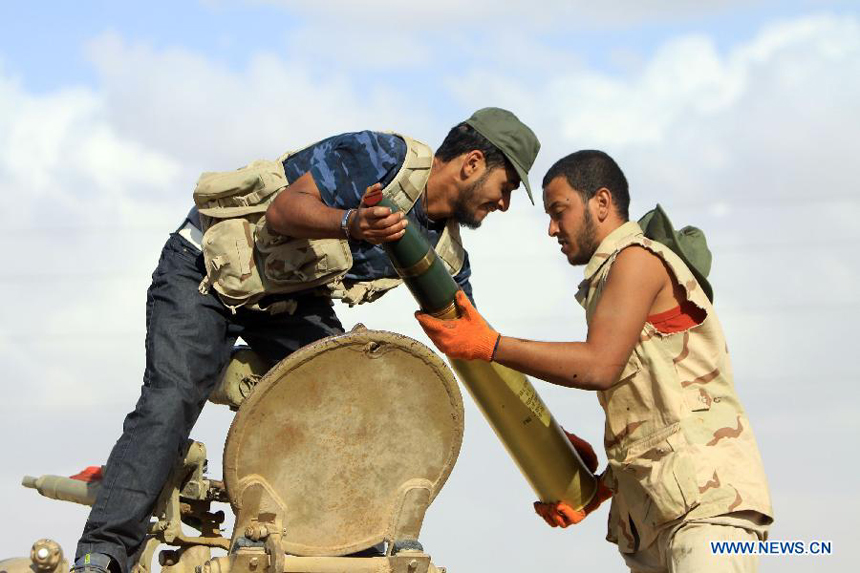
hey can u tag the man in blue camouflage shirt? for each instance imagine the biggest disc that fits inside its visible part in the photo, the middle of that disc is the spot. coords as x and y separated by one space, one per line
190 336
342 168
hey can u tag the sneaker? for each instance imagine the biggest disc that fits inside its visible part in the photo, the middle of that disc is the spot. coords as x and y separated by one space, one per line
92 563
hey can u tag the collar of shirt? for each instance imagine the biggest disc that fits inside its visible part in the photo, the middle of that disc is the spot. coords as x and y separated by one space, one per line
608 246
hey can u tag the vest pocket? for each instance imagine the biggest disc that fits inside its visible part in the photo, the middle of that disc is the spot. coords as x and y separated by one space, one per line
657 478
228 251
241 192
697 399
290 264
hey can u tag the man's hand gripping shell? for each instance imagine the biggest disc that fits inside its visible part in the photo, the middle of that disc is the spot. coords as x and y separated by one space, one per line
468 337
560 514
376 224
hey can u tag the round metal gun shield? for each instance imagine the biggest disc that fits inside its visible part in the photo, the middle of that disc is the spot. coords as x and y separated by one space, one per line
344 443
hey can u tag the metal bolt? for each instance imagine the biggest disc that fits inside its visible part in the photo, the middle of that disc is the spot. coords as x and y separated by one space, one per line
413 565
46 555
256 532
371 347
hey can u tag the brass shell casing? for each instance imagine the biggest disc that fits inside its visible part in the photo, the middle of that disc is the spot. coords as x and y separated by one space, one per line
528 431
507 399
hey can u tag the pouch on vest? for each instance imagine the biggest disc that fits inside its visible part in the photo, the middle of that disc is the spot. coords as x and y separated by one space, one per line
244 260
230 204
228 251
236 193
290 265
657 476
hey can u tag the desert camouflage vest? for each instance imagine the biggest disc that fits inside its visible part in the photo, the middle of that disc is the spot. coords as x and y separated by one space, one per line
677 439
245 261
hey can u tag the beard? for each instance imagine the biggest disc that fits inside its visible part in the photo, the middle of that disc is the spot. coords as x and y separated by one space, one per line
586 241
464 212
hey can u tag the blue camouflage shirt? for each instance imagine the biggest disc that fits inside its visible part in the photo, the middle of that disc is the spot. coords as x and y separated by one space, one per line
343 167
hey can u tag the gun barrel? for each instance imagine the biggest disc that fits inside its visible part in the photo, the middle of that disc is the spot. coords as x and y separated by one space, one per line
63 488
507 399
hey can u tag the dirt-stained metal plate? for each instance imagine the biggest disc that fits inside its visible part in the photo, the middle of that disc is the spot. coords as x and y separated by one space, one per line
331 435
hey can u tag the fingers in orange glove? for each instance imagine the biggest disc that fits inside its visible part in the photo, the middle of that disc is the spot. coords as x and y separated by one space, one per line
584 449
560 514
549 514
468 337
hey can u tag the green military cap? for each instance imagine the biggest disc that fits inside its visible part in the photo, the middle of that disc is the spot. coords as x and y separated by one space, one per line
513 138
689 243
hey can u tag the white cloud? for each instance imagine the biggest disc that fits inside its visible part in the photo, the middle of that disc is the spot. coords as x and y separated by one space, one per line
451 14
765 122
211 117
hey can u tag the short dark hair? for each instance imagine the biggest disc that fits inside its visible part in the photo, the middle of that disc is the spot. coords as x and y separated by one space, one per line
589 170
464 138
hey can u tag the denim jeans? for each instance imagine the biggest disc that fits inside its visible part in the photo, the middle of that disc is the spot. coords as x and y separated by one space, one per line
189 339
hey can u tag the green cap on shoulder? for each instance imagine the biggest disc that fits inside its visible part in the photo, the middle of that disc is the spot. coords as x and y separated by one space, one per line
514 139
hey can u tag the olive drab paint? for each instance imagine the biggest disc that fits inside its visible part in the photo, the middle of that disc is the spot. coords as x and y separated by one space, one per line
678 441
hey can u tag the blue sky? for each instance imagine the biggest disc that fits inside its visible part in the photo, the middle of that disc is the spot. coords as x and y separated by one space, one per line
43 42
738 117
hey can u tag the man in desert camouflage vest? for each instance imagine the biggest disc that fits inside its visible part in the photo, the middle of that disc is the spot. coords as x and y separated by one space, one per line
683 465
261 256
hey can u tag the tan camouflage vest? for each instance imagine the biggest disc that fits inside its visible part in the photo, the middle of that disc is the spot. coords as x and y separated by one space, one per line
677 439
245 261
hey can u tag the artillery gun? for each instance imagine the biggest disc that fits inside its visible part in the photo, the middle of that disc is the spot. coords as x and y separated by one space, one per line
330 463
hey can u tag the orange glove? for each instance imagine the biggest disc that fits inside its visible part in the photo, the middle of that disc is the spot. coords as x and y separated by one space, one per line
560 514
584 449
468 337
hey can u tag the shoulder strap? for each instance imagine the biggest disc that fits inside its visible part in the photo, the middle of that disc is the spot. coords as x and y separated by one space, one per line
411 180
406 188
450 248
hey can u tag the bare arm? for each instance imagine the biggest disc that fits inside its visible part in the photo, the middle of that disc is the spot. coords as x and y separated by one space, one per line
298 211
635 281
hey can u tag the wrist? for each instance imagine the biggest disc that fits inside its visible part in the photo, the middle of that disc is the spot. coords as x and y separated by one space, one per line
495 346
354 228
346 224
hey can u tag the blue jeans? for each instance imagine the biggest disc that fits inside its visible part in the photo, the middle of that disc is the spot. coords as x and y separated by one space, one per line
189 340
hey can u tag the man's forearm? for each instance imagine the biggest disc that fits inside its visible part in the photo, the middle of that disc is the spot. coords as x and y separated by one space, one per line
303 216
570 364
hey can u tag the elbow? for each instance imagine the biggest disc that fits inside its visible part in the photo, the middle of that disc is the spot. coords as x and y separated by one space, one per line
597 379
603 382
596 383
275 220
